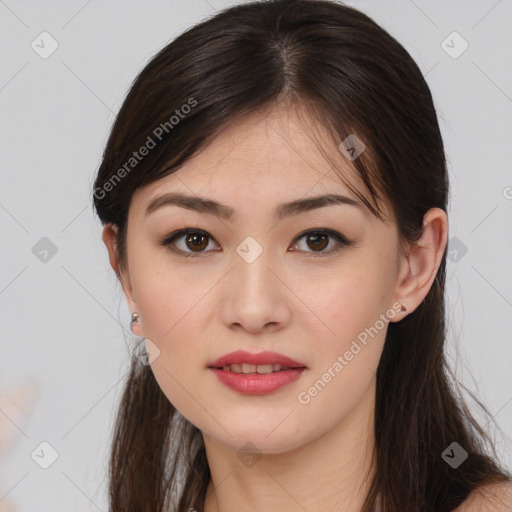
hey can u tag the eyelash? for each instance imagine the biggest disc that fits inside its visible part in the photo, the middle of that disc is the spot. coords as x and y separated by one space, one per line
342 241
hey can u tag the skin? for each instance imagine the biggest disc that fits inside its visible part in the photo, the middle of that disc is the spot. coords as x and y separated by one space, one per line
314 456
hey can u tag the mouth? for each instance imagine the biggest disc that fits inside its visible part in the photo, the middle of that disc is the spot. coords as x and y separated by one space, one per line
256 374
259 369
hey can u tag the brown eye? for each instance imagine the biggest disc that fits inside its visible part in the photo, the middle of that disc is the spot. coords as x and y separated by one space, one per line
188 242
196 241
318 242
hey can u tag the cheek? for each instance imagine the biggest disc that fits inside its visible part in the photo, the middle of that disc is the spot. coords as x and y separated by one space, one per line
346 321
174 308
173 320
348 350
168 321
346 301
167 295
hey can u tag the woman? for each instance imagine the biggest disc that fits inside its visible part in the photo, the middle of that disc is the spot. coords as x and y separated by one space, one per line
274 195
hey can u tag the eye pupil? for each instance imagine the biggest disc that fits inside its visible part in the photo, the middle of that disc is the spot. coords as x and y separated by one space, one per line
194 238
316 238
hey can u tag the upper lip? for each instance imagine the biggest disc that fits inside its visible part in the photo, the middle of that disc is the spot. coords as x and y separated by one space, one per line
266 357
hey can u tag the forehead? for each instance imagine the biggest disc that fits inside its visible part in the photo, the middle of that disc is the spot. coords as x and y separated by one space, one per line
271 152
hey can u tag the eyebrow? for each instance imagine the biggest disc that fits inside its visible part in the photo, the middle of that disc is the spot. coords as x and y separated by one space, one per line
209 206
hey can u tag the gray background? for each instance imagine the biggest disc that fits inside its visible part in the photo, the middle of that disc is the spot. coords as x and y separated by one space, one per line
62 319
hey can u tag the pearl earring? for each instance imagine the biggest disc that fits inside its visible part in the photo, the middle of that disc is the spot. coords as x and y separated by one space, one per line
135 319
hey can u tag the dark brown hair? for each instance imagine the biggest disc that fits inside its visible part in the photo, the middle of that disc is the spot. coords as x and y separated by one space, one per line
353 78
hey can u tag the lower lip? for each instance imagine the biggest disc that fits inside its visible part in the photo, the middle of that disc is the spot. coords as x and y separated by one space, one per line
257 384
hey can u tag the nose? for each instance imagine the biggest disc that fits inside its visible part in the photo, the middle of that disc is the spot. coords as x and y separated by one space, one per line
256 297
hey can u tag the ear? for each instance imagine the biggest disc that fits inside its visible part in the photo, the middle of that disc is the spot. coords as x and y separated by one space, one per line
418 269
109 237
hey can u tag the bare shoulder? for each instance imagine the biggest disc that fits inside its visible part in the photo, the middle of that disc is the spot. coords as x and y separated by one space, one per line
491 498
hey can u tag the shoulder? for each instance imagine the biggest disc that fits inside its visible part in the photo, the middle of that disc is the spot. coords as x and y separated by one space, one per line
490 498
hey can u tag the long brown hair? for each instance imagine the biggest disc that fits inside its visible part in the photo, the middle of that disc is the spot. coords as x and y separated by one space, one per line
353 78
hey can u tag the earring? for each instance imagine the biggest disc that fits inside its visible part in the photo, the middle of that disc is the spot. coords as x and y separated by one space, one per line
135 319
403 308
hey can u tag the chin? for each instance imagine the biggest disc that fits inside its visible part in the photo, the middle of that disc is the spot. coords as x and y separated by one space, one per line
246 440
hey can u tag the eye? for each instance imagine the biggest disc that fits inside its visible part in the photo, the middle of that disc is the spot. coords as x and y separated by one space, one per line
196 241
319 240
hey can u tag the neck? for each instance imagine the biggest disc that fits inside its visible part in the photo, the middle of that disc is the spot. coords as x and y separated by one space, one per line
331 472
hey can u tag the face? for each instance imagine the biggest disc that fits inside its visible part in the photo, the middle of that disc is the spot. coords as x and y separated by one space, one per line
315 285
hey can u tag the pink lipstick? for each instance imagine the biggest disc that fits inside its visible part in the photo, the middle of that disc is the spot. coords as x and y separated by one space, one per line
256 374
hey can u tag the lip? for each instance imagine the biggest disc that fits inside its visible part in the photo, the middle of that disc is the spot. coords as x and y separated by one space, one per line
266 357
254 383
257 384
